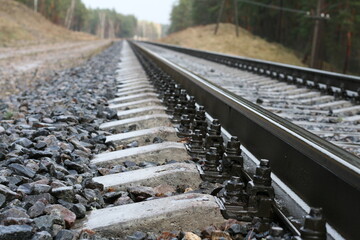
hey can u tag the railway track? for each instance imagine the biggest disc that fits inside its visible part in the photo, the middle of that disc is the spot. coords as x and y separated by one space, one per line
248 193
185 155
329 110
296 155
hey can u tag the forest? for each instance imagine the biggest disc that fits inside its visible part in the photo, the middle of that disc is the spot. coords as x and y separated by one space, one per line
74 15
290 23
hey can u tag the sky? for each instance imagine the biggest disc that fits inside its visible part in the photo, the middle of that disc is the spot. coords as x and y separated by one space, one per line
151 10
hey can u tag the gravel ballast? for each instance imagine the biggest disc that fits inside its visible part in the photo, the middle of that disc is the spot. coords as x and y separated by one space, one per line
47 138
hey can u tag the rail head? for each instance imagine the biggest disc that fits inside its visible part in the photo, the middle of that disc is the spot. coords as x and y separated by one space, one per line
310 77
318 171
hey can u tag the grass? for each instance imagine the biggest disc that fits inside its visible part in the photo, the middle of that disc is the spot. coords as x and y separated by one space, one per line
247 44
20 25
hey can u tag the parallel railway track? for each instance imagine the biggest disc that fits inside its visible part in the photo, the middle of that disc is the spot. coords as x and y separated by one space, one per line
324 107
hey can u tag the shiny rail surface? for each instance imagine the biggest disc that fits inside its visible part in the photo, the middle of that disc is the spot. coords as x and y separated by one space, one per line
346 86
321 173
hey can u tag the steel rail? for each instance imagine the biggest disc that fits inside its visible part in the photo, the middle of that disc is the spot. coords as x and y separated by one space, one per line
322 174
322 80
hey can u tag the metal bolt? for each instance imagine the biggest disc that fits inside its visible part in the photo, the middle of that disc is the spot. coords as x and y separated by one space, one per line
314 226
177 114
215 128
275 233
212 160
263 173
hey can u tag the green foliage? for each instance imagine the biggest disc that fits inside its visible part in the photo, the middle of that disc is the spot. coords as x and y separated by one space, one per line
205 12
340 34
87 20
181 15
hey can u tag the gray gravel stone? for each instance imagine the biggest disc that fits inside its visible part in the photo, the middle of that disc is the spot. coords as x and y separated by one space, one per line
2 200
37 209
79 210
43 235
65 235
32 199
13 213
140 193
64 193
15 232
41 188
45 223
20 169
24 142
8 193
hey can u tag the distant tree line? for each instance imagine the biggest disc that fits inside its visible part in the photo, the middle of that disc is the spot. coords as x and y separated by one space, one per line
339 41
74 15
149 30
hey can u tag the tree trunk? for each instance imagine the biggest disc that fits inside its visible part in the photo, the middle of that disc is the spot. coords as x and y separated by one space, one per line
348 51
315 62
70 14
35 5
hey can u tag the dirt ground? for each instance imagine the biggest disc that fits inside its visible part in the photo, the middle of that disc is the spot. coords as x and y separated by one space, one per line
246 45
21 66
